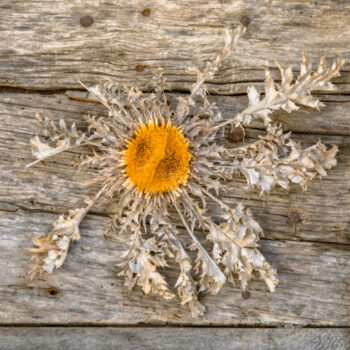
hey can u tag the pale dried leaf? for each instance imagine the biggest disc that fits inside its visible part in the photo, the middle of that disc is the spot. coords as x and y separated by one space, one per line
235 243
52 248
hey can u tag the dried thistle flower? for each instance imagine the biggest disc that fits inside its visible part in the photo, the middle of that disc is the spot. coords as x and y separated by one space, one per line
151 158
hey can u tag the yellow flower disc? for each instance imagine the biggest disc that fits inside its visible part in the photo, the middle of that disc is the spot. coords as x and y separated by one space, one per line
157 158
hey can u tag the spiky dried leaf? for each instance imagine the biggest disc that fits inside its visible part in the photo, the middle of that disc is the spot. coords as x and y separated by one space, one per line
287 95
62 138
277 160
52 248
235 248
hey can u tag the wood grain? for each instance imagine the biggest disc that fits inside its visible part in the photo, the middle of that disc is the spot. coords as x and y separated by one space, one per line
55 186
313 289
170 339
44 50
31 198
43 44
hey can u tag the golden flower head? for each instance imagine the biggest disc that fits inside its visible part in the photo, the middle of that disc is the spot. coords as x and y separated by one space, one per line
157 157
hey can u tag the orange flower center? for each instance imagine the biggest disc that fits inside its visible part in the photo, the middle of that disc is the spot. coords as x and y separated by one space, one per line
157 158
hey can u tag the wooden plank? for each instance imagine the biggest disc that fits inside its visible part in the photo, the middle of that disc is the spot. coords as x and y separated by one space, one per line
331 120
86 290
313 289
165 338
55 186
44 45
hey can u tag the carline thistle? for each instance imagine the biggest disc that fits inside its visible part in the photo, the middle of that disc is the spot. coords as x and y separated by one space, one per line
151 158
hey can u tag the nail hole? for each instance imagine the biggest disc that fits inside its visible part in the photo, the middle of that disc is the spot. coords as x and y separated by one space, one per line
235 134
245 20
140 67
53 291
86 21
146 12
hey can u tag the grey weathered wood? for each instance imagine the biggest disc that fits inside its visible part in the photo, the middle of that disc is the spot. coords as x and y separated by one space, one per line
173 338
87 288
331 120
313 290
55 186
44 46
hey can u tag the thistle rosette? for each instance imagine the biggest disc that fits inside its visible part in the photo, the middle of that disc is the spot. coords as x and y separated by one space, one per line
150 158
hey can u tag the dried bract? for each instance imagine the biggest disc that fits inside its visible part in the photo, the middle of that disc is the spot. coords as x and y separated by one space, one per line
52 248
277 160
150 158
235 248
287 95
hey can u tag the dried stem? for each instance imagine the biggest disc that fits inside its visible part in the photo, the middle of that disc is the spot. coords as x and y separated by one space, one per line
231 41
212 278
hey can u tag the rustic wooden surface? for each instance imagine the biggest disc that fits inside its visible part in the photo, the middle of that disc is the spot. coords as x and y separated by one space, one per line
165 338
45 48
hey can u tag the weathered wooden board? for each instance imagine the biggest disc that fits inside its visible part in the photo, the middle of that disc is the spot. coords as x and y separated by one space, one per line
31 198
170 339
314 284
44 45
324 209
